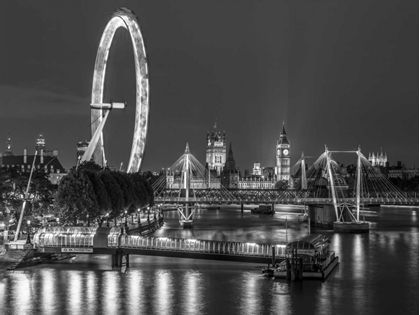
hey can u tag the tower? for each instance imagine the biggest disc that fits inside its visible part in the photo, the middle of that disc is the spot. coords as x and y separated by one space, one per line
378 159
283 157
216 150
40 144
230 174
9 150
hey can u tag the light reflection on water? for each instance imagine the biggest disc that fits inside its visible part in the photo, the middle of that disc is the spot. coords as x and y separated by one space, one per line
112 288
377 274
91 288
48 279
251 294
135 291
164 291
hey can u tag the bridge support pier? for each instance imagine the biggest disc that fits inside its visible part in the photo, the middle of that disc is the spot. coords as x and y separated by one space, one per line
242 208
117 259
321 216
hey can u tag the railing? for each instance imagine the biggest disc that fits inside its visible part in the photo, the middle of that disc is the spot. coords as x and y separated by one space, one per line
18 246
378 200
330 258
202 246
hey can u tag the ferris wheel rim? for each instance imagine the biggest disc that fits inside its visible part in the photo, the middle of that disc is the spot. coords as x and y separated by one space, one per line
124 18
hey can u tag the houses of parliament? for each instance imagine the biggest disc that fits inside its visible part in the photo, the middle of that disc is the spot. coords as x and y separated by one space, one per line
222 164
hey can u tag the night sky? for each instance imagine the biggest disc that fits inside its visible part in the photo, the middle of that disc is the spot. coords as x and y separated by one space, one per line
341 73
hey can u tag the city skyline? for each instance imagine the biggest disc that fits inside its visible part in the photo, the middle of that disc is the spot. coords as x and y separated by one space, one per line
275 63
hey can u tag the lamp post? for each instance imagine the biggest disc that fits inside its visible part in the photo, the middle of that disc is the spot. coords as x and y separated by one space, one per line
138 217
148 213
125 218
87 216
28 239
58 221
107 222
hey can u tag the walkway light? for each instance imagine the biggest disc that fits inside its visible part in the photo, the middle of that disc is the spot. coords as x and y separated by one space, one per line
28 239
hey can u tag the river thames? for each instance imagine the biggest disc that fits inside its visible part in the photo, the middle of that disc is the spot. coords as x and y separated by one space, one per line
378 273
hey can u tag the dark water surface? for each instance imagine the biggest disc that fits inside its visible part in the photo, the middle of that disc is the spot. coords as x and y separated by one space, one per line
378 274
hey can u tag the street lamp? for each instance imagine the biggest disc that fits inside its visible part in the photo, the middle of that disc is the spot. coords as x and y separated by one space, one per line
148 213
87 216
138 217
28 240
107 222
125 218
58 221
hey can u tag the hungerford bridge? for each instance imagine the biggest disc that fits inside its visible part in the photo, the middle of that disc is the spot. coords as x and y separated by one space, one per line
322 183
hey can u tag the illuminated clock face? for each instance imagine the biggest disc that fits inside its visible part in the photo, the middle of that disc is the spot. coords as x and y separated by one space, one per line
285 152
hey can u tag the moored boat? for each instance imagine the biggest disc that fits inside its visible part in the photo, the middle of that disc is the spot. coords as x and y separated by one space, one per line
308 257
263 209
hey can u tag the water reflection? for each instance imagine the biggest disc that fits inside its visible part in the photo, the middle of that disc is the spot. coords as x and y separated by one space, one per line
110 293
20 291
163 294
378 274
358 257
193 300
48 279
250 301
3 285
280 301
135 292
74 298
91 292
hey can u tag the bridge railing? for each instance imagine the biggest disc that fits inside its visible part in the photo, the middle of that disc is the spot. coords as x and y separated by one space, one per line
202 246
387 199
65 237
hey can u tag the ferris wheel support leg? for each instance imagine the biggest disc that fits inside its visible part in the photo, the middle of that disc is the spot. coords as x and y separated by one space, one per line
94 141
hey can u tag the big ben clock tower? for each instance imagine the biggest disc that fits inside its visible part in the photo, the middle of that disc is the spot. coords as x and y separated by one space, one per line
283 157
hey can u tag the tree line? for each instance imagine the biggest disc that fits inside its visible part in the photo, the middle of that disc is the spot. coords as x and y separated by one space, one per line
90 193
13 184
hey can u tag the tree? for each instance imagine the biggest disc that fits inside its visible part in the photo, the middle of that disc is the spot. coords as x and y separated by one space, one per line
75 198
87 165
13 185
127 190
114 192
101 194
150 192
140 189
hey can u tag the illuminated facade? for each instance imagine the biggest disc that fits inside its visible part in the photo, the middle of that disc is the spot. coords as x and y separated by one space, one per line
282 169
231 176
257 169
378 159
216 150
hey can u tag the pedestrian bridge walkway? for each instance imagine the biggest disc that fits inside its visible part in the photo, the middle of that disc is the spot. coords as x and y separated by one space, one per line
79 240
206 249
